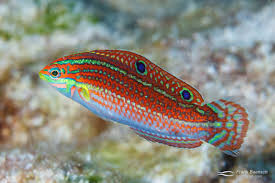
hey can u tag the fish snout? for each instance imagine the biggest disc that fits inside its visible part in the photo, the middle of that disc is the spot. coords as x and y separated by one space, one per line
42 75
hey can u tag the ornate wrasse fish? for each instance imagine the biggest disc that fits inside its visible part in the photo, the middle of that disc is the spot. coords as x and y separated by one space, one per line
125 87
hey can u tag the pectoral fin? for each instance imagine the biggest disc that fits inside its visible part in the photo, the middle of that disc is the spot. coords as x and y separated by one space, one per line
84 94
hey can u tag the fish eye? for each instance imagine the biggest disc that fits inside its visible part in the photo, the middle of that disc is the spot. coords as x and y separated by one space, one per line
141 67
55 72
186 94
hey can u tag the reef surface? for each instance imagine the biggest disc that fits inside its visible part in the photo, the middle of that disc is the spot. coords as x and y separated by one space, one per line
222 48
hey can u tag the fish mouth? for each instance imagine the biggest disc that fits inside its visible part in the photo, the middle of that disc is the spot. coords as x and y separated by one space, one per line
42 76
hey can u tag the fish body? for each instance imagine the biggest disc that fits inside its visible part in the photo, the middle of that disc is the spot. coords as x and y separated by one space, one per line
126 87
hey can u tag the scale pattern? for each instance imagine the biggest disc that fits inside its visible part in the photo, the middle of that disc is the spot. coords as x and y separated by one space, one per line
127 88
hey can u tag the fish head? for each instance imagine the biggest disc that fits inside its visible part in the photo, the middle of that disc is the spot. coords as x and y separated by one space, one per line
57 76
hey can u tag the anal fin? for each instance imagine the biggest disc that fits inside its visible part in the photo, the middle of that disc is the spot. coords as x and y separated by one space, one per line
180 142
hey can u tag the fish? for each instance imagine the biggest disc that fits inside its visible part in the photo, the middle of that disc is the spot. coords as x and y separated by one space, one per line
125 87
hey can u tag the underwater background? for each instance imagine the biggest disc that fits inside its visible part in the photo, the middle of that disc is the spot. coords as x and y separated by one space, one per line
223 48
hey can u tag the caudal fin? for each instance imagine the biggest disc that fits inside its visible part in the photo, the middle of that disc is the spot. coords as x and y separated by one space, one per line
228 132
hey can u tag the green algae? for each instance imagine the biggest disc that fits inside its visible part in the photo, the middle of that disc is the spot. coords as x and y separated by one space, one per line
50 16
199 20
138 158
57 16
5 35
88 166
87 178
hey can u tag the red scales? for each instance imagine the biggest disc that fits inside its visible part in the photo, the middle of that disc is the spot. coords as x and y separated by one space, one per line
127 88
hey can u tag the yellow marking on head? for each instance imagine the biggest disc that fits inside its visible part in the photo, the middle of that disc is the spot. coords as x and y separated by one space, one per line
85 94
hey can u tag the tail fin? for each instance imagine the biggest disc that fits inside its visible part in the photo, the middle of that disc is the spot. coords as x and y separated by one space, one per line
228 132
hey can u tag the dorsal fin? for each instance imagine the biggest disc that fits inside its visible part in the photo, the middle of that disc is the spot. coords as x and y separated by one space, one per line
153 74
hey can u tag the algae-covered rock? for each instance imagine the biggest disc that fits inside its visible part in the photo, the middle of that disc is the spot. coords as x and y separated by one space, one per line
222 48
